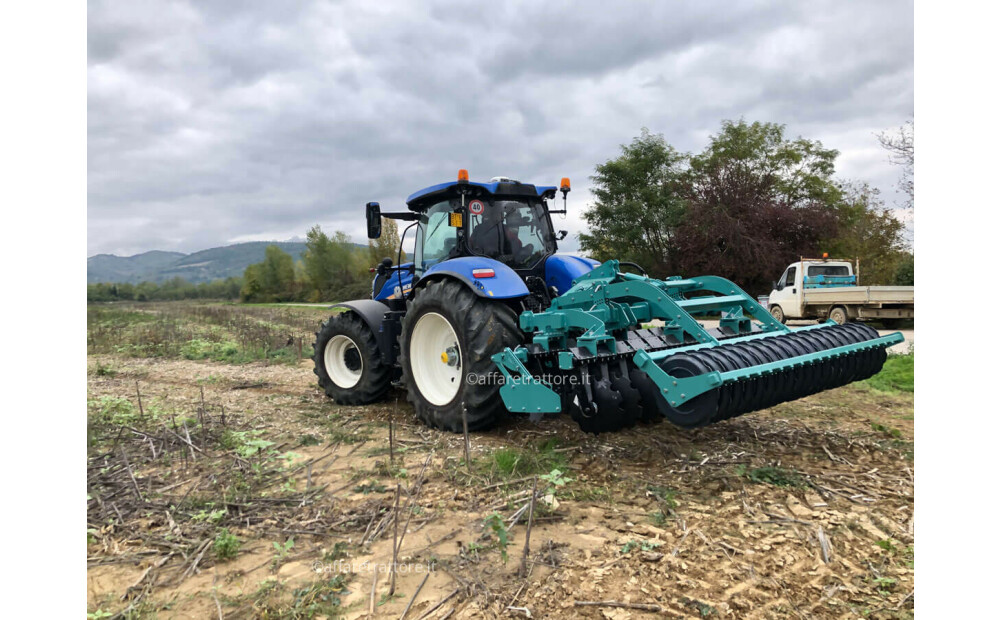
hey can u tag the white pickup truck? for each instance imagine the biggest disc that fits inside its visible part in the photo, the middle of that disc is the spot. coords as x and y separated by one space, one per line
819 288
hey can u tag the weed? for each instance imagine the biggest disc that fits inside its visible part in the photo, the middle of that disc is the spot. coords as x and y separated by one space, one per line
338 552
227 546
521 462
645 545
309 440
663 495
316 600
385 598
555 478
895 433
888 546
104 371
372 486
884 585
245 443
281 551
778 476
495 527
704 609
214 516
896 375
113 411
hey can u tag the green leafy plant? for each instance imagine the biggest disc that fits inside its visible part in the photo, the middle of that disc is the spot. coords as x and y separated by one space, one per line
309 440
496 528
554 479
226 545
895 433
281 550
778 476
645 545
214 516
372 486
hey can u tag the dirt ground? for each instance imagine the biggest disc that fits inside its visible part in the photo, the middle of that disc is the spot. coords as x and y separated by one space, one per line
800 511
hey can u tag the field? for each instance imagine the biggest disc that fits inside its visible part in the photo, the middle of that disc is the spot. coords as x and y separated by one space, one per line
221 482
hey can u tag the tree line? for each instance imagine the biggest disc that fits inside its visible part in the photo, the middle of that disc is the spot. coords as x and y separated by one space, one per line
743 208
170 290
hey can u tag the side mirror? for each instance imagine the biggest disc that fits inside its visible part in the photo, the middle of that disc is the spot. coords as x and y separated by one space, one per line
776 286
373 213
562 235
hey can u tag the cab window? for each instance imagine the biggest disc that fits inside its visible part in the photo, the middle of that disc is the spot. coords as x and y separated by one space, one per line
514 232
790 277
828 270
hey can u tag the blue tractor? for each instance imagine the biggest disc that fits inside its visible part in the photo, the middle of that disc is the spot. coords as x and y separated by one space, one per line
488 318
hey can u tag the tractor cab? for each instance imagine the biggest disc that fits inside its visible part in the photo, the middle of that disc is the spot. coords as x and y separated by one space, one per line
504 220
497 237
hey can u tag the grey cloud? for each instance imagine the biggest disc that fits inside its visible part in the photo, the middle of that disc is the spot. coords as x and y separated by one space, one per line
215 121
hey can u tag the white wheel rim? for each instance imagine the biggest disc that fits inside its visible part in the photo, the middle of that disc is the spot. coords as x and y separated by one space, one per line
435 359
335 359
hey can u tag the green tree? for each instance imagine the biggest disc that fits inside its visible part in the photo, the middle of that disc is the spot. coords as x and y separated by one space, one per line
904 275
866 230
277 274
334 268
271 280
387 245
756 201
638 205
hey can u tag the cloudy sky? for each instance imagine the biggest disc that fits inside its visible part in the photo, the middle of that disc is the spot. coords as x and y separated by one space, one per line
217 122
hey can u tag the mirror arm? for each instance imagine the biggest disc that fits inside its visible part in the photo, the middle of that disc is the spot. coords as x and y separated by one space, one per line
407 216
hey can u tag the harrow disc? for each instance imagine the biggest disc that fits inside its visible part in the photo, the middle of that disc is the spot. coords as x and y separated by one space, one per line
760 392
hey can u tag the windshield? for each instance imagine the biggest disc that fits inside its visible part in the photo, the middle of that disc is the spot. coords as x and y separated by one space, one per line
514 232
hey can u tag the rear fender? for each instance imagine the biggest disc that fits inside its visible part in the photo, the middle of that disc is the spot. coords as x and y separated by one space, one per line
375 314
504 284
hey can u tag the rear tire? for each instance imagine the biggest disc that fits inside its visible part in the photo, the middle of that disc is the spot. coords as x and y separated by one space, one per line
778 314
838 315
347 361
449 334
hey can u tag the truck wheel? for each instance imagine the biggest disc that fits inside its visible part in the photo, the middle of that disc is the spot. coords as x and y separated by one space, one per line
347 361
838 315
778 314
449 334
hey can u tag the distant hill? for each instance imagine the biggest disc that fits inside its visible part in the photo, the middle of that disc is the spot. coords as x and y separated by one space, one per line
203 266
111 268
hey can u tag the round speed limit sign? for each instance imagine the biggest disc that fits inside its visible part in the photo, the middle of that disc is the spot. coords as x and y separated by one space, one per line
476 207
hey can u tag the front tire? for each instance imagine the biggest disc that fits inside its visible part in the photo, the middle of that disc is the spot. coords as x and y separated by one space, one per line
838 315
778 314
449 334
347 361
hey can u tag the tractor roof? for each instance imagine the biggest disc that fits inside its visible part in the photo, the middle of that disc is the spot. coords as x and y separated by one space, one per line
417 201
